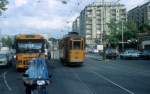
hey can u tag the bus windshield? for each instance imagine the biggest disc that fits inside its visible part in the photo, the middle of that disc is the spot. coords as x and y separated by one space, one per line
30 47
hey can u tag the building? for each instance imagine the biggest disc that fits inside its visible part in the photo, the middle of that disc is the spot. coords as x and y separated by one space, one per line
141 16
76 25
94 19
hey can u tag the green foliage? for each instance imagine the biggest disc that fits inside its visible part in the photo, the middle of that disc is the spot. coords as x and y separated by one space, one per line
132 26
115 33
3 7
145 28
128 29
7 41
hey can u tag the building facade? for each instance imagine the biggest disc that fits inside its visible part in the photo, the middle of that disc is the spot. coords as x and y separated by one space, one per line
76 25
141 16
94 19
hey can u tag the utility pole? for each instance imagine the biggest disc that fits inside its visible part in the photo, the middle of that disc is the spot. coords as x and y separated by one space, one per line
122 36
104 32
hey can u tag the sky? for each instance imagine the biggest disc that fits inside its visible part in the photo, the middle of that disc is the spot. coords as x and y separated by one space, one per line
46 16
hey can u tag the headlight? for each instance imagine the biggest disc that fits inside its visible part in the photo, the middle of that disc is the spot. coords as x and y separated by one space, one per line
45 53
40 82
14 56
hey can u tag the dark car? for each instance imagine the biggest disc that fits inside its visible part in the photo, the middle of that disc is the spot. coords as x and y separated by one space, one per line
111 53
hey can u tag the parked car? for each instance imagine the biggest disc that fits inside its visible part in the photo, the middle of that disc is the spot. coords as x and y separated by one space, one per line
112 53
5 58
131 54
4 49
146 54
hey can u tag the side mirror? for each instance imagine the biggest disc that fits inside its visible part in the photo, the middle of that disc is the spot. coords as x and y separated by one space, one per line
25 75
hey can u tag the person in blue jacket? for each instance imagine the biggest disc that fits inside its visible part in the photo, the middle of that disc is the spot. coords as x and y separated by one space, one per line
36 70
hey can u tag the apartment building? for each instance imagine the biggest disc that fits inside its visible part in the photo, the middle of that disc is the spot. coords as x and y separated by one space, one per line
76 25
94 19
141 16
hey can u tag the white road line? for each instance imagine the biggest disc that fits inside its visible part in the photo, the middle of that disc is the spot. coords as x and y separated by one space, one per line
112 82
5 81
77 76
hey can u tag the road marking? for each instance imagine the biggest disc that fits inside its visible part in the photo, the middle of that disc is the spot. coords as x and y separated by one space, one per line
85 85
112 82
5 81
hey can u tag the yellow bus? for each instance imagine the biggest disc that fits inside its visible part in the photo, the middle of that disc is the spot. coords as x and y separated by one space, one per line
28 47
71 49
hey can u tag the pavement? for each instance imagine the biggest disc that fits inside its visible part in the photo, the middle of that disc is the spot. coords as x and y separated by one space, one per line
93 77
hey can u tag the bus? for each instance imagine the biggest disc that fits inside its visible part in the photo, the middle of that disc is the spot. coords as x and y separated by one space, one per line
28 47
72 49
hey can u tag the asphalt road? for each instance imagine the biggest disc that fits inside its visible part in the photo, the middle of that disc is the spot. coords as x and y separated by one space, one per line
93 77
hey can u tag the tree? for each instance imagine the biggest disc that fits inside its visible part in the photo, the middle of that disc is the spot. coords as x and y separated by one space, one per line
129 30
132 26
132 31
115 33
7 41
3 7
145 28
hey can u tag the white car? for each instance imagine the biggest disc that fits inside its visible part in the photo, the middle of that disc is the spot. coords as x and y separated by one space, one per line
5 58
131 54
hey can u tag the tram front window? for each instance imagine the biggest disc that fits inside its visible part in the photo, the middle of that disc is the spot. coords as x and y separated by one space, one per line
76 45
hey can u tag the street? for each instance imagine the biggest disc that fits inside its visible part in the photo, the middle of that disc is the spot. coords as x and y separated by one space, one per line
93 77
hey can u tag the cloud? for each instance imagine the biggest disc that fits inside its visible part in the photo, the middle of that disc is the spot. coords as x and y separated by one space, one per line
46 15
51 23
19 3
132 3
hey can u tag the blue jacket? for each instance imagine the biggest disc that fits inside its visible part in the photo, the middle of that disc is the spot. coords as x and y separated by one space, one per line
37 69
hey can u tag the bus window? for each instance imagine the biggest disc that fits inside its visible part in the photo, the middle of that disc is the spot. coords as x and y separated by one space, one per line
77 44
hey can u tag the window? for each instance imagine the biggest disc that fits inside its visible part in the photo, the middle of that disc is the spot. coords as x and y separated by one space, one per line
76 44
